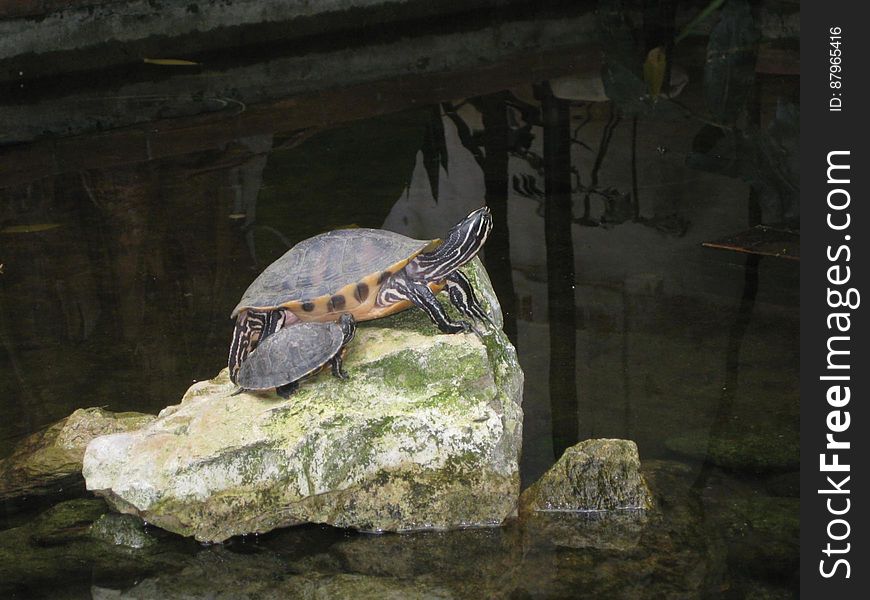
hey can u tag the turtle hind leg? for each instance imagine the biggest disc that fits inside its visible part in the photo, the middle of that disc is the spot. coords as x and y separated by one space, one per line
462 296
286 390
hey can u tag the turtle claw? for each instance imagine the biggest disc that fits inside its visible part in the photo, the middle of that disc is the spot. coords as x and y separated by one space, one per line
455 327
469 328
475 330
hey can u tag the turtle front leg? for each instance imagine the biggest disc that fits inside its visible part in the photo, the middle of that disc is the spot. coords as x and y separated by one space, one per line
336 363
348 328
462 296
422 297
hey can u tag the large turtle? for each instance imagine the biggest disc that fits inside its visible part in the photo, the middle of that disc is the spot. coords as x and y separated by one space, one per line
366 273
293 353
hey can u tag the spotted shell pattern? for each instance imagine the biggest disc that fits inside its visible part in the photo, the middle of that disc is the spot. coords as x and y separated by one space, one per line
289 354
331 273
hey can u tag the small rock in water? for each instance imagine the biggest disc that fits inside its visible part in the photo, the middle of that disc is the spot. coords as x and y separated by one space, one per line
593 497
599 474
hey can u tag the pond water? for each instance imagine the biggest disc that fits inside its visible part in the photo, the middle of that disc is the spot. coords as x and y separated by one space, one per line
125 247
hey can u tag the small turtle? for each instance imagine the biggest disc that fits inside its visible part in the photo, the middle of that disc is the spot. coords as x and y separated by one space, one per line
293 353
367 273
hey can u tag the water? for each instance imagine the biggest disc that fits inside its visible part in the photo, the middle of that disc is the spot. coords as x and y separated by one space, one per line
119 273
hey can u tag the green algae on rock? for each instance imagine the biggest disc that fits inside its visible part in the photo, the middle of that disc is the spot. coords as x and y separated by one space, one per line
53 456
598 474
425 434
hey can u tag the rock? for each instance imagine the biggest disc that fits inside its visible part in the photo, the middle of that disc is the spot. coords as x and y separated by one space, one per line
592 475
65 523
425 434
53 456
747 450
121 530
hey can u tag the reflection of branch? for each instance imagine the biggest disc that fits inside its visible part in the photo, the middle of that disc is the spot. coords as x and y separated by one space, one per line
708 10
706 119
559 246
732 364
576 134
635 195
239 103
496 142
16 367
586 118
606 135
89 191
249 236
732 353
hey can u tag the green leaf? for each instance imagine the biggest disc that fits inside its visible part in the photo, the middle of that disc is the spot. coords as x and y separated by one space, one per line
654 68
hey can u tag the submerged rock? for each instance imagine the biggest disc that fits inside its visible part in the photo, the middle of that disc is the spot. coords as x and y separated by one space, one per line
592 475
53 456
425 434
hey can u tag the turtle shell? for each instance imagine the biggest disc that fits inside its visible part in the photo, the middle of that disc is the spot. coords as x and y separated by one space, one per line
332 273
289 354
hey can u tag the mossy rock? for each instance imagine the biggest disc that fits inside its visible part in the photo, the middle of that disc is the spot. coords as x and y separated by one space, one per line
425 434
593 475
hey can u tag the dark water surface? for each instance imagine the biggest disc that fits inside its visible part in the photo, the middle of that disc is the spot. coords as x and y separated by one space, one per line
124 251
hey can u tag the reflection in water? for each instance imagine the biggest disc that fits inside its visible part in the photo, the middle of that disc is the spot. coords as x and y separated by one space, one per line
616 311
123 302
496 143
725 410
558 218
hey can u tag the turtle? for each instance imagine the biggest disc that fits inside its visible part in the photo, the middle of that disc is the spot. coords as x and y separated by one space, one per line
367 273
293 353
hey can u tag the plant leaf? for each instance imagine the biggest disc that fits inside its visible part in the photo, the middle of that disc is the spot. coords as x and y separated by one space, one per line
654 68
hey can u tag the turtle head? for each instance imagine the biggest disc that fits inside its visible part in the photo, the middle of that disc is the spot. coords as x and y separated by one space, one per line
348 327
461 244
